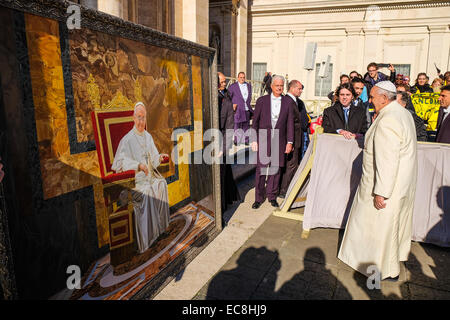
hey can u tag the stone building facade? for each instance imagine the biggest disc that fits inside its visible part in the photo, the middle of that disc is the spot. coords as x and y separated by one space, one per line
186 19
413 35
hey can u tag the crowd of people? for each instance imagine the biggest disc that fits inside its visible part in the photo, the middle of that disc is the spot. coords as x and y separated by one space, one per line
426 126
351 114
376 106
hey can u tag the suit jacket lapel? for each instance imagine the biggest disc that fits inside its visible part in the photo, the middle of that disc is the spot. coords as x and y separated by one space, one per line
351 112
340 112
268 105
446 120
440 116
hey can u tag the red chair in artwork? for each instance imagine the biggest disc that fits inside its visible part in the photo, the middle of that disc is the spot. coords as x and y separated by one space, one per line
109 128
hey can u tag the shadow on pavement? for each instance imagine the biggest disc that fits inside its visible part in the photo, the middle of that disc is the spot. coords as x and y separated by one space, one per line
257 271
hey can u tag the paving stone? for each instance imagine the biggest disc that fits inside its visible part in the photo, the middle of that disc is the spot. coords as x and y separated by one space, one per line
421 292
260 256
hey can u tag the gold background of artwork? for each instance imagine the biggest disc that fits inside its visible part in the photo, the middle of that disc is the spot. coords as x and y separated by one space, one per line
164 85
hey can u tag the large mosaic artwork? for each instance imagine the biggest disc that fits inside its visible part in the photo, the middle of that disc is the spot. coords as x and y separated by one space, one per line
78 92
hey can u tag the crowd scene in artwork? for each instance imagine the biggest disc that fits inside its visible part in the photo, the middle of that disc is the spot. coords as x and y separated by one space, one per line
386 111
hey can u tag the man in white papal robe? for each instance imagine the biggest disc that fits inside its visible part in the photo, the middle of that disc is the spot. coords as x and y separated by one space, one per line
379 227
137 151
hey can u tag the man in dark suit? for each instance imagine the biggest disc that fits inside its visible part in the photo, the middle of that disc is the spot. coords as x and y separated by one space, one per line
226 113
267 82
359 85
272 137
229 190
301 121
222 88
241 95
443 125
343 117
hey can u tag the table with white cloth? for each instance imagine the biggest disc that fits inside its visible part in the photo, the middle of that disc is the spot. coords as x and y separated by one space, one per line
335 176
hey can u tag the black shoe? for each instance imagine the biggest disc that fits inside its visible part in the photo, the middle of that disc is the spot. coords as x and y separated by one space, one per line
282 195
256 205
274 203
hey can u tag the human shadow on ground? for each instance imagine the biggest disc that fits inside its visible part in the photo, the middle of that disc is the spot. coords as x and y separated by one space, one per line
440 232
256 275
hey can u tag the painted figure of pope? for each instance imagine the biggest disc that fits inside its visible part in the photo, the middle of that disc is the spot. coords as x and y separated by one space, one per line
137 151
379 227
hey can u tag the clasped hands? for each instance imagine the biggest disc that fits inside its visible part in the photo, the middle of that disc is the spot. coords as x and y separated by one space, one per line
289 147
348 135
143 167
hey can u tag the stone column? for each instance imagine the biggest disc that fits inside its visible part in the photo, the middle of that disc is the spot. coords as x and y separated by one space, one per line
355 50
241 38
298 46
281 56
370 48
196 21
178 18
112 7
438 50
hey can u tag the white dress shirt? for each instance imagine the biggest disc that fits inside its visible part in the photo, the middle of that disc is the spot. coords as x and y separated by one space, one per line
446 112
275 107
244 91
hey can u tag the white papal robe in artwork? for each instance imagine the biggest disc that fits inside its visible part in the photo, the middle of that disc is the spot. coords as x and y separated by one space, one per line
383 237
150 196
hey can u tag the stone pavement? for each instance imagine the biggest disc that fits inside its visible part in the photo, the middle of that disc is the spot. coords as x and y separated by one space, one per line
260 256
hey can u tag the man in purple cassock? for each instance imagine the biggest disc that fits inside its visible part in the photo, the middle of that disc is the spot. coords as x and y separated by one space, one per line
272 138
241 96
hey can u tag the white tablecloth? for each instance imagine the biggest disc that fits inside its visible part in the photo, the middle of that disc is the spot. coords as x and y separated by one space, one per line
335 177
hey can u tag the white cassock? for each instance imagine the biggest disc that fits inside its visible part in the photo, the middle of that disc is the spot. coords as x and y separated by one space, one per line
383 237
150 196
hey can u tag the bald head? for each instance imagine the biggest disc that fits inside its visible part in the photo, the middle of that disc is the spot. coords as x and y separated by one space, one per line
295 88
222 82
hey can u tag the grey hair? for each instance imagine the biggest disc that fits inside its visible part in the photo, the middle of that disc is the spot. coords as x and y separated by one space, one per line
392 96
277 77
137 105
